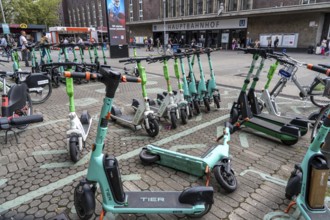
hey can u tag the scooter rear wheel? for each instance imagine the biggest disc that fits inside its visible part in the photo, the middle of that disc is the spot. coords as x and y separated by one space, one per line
148 158
199 215
289 142
226 180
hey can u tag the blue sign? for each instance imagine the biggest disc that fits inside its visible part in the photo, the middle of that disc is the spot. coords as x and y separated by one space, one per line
5 28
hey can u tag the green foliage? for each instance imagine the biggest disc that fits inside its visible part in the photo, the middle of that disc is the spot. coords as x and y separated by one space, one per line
32 11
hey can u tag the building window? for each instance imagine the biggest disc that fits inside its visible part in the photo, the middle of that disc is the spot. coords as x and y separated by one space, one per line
83 17
78 18
173 8
131 10
246 5
199 5
181 7
140 10
73 18
232 5
94 13
209 7
100 12
304 2
190 7
89 20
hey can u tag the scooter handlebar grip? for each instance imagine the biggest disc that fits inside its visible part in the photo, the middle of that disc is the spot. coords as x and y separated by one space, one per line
26 120
318 69
81 75
130 79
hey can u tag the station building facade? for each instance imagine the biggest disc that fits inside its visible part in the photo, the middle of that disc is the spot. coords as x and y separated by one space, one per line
297 23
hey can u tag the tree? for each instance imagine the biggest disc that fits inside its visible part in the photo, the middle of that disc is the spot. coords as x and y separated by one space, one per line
32 11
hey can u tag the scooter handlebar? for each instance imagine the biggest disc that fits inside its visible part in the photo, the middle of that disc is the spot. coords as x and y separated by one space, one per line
318 69
4 122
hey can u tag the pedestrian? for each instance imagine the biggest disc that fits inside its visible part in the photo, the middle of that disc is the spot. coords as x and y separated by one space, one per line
80 43
276 41
25 51
44 40
149 43
233 44
269 40
323 46
257 44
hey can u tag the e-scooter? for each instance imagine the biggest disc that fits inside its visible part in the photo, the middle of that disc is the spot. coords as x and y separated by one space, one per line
269 102
216 159
288 134
143 114
167 108
202 92
186 92
185 108
104 171
79 127
213 91
308 182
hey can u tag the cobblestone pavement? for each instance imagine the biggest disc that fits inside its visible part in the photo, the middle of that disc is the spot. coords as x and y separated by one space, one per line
37 179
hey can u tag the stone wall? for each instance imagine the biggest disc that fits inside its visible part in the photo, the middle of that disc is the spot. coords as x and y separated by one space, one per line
294 23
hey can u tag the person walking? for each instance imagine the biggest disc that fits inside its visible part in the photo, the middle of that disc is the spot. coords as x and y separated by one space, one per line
25 51
80 43
276 41
43 41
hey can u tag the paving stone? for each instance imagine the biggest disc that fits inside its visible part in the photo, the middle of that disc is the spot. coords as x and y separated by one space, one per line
4 160
12 167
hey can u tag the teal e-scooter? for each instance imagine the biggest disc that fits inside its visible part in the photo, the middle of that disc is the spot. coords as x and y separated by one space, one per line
212 90
103 170
307 184
216 159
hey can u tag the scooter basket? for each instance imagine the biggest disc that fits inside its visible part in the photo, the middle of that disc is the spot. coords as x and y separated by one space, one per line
284 73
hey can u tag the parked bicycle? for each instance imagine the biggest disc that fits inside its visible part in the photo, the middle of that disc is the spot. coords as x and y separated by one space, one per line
313 91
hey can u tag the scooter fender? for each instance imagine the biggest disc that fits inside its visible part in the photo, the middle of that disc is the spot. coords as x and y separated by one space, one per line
147 115
74 135
225 162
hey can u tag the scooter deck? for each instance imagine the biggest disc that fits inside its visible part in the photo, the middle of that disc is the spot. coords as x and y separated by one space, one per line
154 200
272 129
301 123
321 214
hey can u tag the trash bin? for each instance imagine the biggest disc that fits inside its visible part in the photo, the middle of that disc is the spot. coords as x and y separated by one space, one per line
175 47
318 182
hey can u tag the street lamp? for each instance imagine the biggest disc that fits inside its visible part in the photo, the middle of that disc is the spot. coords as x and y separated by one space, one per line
164 1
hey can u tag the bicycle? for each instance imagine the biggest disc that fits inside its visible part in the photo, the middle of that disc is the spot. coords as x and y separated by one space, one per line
314 91
38 84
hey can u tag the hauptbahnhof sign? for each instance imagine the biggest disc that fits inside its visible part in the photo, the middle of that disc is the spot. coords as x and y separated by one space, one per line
203 25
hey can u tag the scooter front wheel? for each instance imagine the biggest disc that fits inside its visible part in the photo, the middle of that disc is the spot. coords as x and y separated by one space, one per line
216 101
207 104
153 129
74 150
148 158
173 120
184 116
84 201
226 180
199 215
197 107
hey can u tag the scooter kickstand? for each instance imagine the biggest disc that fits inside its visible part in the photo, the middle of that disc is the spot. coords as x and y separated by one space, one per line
208 175
292 203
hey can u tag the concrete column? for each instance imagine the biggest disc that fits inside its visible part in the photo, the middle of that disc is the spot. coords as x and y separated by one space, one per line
239 5
204 6
319 29
226 5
